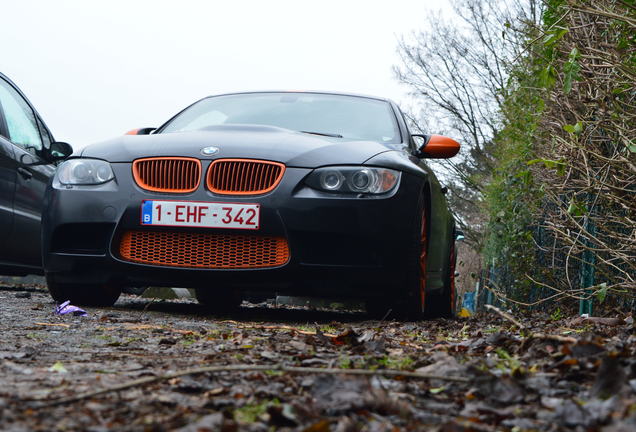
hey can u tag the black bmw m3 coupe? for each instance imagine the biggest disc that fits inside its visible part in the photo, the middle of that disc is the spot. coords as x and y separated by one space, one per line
297 193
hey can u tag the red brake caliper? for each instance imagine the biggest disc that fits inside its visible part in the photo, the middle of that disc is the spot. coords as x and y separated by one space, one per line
423 250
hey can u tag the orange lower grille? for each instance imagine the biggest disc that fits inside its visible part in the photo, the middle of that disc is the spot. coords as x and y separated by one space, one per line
203 250
244 176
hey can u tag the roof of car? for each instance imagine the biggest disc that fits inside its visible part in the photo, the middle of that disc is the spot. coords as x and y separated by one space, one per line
6 78
303 91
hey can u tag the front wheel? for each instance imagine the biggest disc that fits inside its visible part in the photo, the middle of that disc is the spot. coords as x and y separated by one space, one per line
444 304
408 302
83 294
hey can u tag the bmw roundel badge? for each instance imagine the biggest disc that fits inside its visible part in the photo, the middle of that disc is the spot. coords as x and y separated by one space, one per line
208 151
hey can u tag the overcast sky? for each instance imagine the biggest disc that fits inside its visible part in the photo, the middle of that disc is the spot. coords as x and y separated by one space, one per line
95 69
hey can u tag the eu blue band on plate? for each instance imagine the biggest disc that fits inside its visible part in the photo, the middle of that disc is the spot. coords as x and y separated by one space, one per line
146 212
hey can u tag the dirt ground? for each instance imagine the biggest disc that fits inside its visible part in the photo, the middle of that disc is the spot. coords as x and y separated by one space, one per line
147 365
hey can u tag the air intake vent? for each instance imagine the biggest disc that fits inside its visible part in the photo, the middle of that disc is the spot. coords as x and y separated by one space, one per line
168 174
203 250
244 176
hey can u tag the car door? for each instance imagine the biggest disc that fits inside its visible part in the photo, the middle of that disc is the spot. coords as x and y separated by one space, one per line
7 191
26 137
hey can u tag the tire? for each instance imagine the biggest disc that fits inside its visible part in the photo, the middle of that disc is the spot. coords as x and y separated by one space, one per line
213 302
411 300
444 304
83 294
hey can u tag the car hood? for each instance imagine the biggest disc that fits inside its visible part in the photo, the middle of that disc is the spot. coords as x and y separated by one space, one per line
294 149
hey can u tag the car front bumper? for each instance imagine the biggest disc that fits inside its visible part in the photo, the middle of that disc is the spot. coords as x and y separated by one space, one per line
339 246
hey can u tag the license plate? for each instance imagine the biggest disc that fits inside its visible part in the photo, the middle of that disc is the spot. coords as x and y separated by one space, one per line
200 214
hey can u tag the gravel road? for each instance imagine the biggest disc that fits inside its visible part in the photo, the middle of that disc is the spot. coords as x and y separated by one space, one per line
145 356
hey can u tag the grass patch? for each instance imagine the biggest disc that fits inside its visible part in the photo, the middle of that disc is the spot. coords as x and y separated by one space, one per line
399 363
252 412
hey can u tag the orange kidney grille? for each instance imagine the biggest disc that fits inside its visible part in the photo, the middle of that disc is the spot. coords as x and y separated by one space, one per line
203 250
168 174
244 176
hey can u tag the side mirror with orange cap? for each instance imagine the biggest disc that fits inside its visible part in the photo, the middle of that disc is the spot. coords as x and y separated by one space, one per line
142 131
436 147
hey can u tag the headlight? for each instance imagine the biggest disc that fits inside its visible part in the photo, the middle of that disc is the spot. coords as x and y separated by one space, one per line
331 180
346 179
84 172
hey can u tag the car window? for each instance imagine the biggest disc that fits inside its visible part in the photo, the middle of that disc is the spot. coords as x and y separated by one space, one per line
20 119
406 121
46 137
355 118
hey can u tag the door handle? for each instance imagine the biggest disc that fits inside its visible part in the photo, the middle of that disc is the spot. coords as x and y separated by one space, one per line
25 173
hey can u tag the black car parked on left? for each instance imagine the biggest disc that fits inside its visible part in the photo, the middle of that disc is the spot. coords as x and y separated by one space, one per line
28 157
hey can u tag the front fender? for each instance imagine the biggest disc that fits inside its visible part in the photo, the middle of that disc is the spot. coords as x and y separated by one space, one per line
399 160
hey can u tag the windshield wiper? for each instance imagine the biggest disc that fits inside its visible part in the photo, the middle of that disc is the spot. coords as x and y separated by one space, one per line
323 134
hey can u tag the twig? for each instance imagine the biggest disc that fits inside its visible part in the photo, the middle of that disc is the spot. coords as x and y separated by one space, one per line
278 327
145 309
284 327
52 324
506 316
386 315
542 34
598 320
606 14
248 368
532 336
556 338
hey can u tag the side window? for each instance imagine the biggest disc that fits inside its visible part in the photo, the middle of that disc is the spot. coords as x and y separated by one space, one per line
20 120
409 141
46 138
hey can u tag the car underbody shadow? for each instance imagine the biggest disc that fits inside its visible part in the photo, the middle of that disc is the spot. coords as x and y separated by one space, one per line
266 311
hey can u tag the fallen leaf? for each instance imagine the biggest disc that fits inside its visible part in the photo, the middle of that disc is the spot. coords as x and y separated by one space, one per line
610 378
58 367
347 337
321 426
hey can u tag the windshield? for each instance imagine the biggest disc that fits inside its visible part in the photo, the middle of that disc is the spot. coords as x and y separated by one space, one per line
348 117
